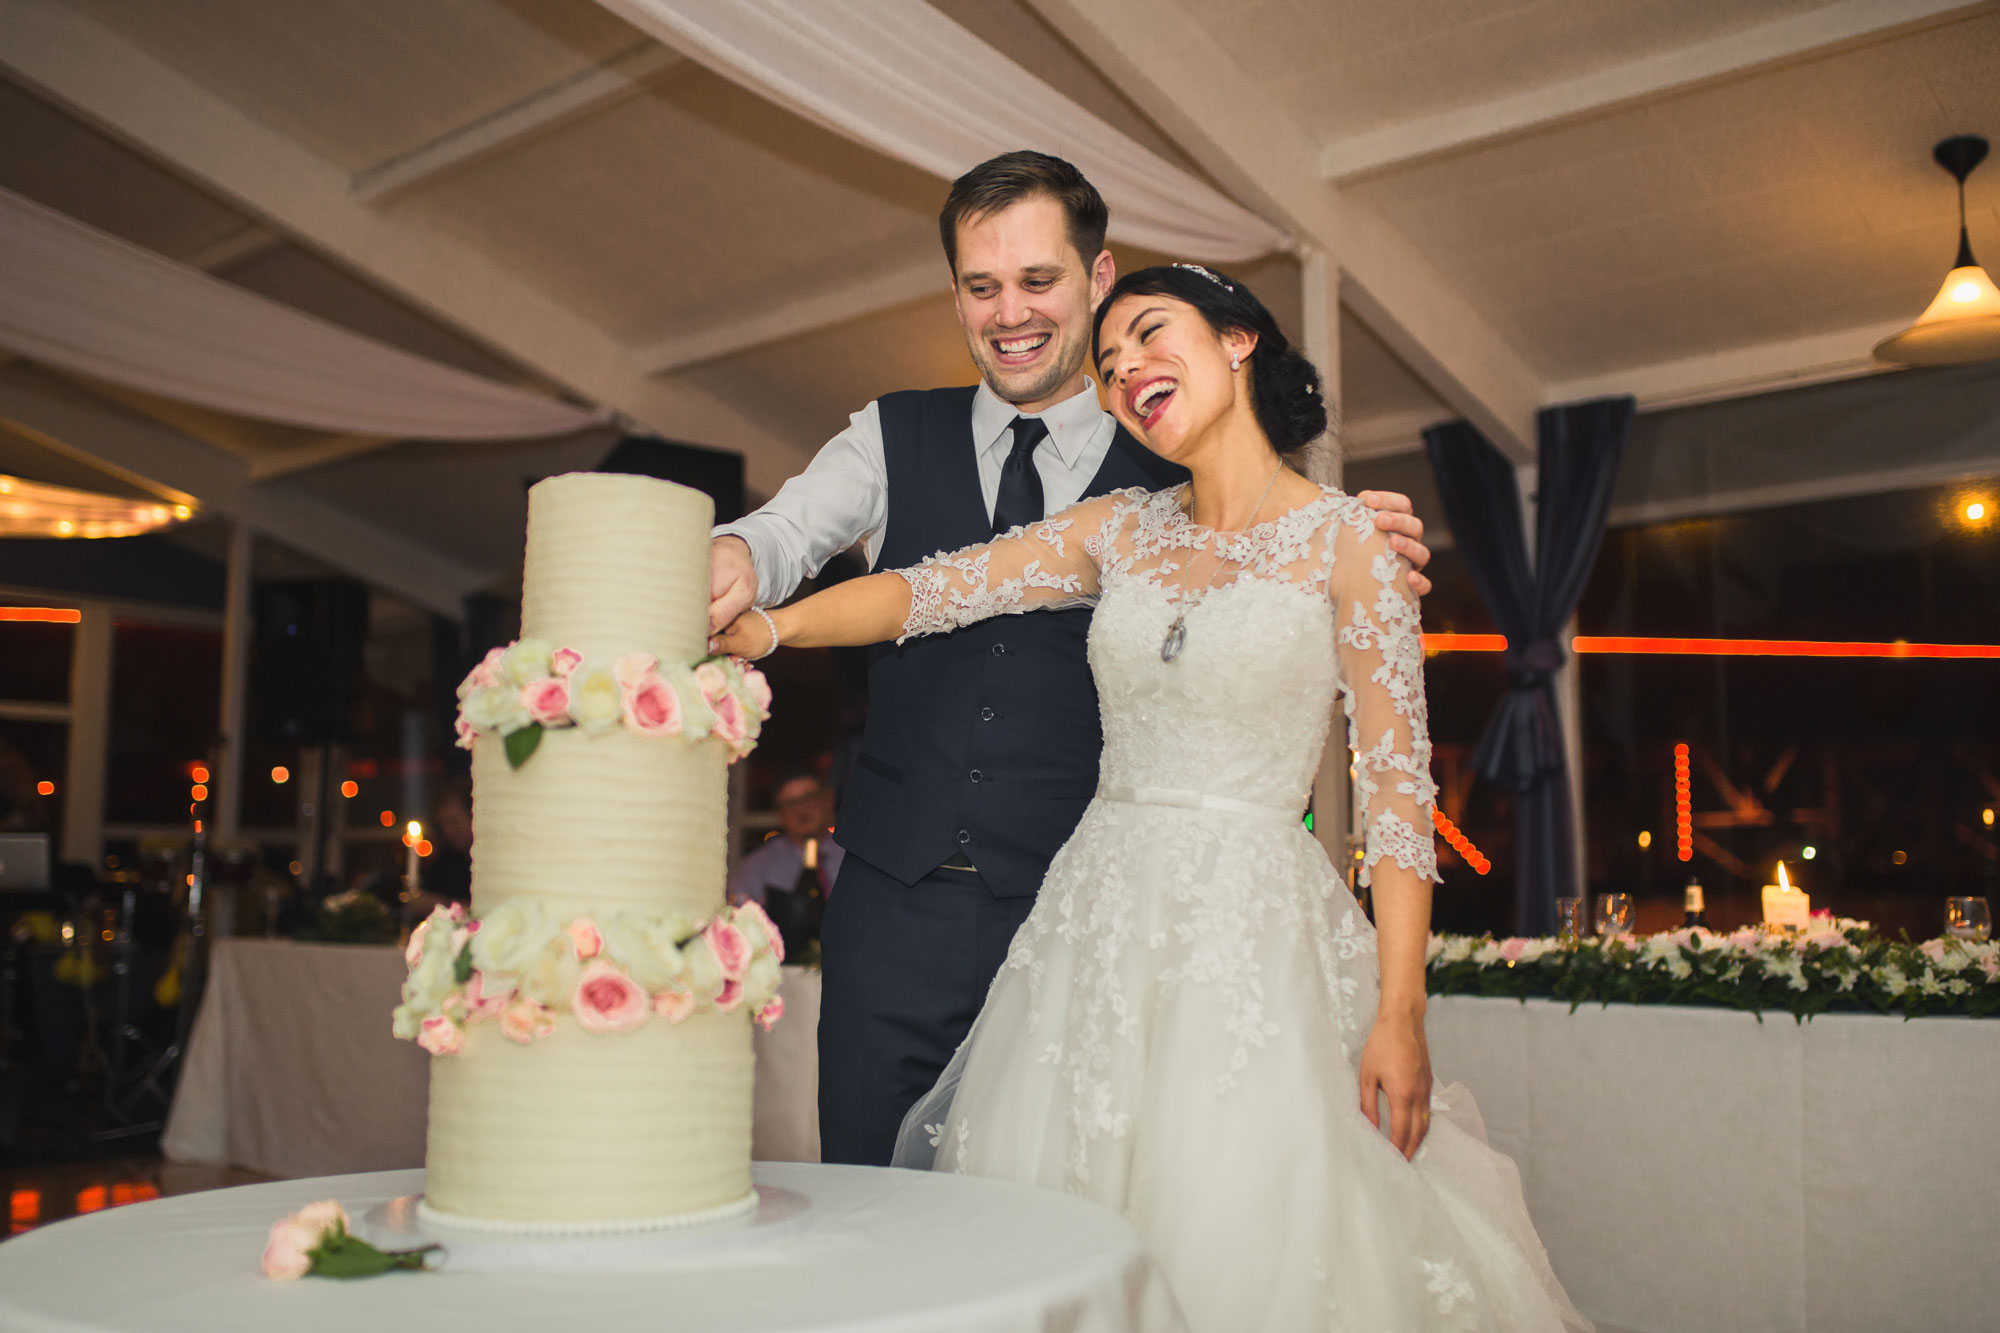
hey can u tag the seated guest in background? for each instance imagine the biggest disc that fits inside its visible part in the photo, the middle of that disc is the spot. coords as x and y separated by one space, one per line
805 814
447 871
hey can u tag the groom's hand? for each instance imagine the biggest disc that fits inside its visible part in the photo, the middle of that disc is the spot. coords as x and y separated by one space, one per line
1395 516
732 580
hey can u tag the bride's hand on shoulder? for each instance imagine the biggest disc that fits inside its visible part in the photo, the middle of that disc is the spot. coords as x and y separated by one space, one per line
1396 1063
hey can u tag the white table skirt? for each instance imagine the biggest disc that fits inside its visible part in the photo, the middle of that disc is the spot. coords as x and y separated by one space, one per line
883 1251
1692 1169
291 1069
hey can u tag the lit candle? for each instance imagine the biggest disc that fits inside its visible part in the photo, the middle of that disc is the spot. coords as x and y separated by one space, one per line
1785 908
412 877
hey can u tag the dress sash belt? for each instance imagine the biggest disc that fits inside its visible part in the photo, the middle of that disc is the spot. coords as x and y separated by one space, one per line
1197 800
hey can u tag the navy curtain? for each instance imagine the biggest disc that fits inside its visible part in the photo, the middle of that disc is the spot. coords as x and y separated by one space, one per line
1522 748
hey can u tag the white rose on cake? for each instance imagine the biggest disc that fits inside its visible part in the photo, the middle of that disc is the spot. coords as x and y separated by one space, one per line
761 980
497 708
647 946
552 977
508 941
596 700
526 661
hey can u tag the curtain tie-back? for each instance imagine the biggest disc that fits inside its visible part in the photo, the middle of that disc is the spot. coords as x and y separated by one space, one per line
1534 665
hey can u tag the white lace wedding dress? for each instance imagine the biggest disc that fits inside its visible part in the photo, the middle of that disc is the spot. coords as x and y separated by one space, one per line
1177 1027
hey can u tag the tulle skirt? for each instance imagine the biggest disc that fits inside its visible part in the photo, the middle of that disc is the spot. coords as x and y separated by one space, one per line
1176 1034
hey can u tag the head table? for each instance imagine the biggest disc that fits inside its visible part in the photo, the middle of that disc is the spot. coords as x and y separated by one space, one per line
881 1250
1688 1168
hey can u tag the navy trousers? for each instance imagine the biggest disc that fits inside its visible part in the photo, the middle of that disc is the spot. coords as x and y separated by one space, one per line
905 968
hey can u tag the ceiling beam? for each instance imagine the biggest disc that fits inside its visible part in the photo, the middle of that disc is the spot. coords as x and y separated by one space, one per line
1737 372
1782 41
304 457
82 65
808 314
1161 58
252 242
588 90
136 446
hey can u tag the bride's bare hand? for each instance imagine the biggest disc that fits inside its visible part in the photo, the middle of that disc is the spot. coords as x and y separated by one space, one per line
1397 1062
746 636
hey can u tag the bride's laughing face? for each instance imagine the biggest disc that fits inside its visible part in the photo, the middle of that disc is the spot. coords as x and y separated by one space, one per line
1167 373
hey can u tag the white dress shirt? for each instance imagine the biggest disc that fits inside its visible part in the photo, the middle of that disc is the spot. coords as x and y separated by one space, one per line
843 495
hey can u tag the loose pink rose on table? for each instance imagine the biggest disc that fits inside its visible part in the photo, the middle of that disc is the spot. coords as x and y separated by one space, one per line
563 661
288 1252
583 935
440 1036
606 1000
634 667
731 949
731 997
771 1013
673 1005
547 700
322 1216
652 708
754 913
524 1021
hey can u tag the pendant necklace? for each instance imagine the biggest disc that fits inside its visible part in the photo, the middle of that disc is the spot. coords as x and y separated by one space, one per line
1170 647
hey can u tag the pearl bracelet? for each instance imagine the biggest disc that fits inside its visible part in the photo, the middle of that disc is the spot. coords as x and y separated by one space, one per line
771 625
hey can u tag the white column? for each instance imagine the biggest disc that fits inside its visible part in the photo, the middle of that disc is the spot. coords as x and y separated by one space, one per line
89 736
1319 336
233 713
1569 707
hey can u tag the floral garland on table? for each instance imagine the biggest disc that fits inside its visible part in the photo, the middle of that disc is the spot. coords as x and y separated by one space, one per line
517 968
1840 965
519 691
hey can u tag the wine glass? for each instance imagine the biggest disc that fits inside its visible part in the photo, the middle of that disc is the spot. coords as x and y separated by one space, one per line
1614 914
1968 919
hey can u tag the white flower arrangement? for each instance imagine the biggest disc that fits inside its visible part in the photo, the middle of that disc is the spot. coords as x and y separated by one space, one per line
515 968
520 690
1841 964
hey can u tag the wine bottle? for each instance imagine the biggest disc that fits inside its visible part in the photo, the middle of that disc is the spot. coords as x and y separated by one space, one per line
1693 906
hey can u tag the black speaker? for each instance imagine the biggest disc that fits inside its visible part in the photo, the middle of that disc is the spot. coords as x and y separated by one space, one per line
716 473
305 662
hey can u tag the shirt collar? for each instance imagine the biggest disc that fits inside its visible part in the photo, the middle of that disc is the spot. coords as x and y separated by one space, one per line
1071 422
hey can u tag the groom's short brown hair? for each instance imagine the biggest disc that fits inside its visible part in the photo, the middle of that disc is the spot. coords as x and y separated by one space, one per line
1002 181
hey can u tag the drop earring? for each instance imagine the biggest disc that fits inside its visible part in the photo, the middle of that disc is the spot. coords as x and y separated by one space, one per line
1235 362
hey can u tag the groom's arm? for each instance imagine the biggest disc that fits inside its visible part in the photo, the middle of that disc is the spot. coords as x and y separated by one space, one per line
841 497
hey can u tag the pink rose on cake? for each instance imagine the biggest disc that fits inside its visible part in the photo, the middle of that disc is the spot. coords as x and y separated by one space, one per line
731 949
482 1003
758 928
484 676
525 1021
606 1000
768 1016
563 661
731 726
758 688
634 667
596 700
440 1036
652 708
673 1005
584 938
712 679
464 731
547 701
731 997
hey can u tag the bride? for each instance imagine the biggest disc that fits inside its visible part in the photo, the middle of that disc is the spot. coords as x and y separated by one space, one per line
1197 1025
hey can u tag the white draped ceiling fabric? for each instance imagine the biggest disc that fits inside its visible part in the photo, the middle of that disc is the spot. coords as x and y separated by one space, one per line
904 79
83 301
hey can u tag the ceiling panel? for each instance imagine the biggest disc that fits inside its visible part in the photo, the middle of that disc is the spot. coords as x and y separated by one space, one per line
362 81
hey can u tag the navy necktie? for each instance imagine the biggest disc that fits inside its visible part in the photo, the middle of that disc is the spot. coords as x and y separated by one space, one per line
1019 500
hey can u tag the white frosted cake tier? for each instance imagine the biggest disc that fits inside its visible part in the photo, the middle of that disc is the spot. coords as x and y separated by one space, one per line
617 564
591 824
582 1128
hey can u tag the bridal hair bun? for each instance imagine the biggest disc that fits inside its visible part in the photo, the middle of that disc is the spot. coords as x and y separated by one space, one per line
1285 388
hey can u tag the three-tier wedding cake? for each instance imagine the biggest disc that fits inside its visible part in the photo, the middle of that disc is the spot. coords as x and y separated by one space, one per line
589 1016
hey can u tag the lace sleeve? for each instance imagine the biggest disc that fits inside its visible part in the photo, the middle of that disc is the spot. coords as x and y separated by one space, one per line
1381 656
1044 566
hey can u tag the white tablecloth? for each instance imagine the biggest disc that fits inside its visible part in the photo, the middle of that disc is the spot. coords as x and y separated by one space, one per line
1693 1169
883 1251
291 1069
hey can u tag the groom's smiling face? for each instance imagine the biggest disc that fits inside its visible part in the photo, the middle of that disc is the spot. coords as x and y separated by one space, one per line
1025 298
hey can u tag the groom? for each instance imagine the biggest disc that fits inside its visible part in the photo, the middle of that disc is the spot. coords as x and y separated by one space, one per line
981 747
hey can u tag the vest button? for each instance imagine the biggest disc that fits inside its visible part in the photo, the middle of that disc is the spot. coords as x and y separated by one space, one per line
986 715
964 837
977 776
999 650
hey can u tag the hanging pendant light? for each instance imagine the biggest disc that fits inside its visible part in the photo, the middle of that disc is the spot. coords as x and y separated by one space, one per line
1963 324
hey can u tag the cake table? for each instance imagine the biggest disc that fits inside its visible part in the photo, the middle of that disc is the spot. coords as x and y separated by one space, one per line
884 1251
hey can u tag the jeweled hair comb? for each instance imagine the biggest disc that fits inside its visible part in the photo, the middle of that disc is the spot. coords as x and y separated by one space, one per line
1210 274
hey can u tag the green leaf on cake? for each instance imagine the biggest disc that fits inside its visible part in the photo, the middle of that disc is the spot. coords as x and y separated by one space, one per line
461 966
522 743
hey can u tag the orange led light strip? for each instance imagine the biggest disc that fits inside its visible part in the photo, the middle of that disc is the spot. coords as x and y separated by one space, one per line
1683 805
1460 843
1607 643
54 615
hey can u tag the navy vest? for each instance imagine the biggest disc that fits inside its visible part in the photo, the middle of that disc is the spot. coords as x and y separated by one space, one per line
984 742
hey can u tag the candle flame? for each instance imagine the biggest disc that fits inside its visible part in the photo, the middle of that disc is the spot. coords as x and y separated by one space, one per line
1784 880
417 831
